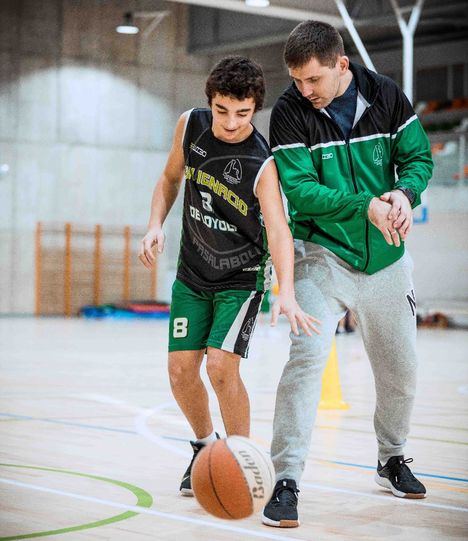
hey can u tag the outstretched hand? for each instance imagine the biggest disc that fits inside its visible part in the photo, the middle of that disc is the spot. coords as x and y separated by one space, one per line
154 237
287 305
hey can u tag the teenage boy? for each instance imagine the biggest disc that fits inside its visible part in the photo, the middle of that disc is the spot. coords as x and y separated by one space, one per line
232 214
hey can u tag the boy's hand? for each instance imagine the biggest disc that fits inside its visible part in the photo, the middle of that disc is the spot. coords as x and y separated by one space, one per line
287 305
154 237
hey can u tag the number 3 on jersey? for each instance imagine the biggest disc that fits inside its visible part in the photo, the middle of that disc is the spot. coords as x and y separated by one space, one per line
206 201
180 329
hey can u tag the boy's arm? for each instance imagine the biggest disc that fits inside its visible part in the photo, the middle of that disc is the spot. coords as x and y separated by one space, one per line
280 244
164 194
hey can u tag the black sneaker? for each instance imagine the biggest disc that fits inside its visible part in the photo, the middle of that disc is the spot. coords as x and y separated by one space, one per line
186 484
281 510
396 476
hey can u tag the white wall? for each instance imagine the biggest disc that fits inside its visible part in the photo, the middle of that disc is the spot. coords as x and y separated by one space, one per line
439 249
86 117
86 120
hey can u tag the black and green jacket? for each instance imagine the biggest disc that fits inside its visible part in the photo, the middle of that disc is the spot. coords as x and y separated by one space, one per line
329 181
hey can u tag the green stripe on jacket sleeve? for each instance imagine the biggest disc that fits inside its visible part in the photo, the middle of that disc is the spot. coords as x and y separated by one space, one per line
411 152
308 199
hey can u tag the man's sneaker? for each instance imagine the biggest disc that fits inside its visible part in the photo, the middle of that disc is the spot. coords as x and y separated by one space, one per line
281 510
396 476
186 484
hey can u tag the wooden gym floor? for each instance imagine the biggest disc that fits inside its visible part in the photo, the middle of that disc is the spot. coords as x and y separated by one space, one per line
92 445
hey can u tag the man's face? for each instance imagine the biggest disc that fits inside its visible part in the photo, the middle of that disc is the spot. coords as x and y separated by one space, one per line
232 117
319 84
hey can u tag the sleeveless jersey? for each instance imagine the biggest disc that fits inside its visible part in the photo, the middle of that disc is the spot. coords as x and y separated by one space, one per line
223 243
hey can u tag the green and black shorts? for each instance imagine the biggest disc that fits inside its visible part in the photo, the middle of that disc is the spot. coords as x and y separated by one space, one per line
223 319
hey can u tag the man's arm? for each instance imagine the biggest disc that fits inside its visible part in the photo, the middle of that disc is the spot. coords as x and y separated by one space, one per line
164 194
280 244
299 178
300 182
411 150
411 154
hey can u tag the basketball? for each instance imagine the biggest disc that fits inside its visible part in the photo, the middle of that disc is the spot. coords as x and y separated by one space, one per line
233 478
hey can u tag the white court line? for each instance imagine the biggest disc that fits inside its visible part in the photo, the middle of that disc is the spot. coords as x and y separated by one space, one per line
141 420
153 512
392 499
141 427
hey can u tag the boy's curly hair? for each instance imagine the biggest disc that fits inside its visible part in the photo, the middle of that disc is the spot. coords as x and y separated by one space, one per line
238 77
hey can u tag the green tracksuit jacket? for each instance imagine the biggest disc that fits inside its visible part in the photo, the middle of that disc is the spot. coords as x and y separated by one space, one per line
329 181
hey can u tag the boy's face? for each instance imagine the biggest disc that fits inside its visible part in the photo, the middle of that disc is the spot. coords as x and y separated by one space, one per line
320 84
232 117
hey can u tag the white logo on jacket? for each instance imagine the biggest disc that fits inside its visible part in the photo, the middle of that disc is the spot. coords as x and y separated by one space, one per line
327 156
377 155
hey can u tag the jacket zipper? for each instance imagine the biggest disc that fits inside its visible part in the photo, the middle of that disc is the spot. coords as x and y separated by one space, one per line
353 176
352 169
353 179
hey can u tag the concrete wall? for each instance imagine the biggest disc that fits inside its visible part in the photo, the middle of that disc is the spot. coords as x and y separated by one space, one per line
86 120
439 249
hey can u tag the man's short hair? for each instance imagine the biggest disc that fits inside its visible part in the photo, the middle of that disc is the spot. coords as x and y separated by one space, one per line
238 77
313 39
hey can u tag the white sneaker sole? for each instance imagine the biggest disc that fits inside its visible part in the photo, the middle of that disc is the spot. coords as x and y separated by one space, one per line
280 523
186 492
384 482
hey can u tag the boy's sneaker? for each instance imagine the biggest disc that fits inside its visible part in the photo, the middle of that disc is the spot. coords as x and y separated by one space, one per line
281 510
396 476
186 484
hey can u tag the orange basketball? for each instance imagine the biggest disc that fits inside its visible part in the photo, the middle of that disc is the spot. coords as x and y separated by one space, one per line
233 478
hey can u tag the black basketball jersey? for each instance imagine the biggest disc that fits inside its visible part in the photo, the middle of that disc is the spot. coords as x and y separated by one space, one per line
223 243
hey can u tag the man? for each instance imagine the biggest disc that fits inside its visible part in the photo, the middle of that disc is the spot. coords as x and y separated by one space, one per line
338 134
231 189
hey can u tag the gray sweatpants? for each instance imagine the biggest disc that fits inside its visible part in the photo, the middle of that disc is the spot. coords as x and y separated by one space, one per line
383 304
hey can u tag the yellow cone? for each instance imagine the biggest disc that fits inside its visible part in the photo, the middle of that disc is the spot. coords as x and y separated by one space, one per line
331 397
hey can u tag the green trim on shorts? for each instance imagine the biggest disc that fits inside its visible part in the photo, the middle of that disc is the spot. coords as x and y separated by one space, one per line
221 319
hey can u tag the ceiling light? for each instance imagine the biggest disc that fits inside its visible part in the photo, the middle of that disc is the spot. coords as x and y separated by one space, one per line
128 26
257 3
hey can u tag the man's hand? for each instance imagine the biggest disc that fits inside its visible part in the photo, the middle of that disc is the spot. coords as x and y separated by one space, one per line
378 214
287 305
154 237
401 213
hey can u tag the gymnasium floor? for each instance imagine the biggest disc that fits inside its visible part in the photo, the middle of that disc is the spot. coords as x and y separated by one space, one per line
92 445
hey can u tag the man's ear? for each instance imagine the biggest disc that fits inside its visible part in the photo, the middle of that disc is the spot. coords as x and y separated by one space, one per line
344 63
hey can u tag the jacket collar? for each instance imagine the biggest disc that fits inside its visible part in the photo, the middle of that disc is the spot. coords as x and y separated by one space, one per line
366 82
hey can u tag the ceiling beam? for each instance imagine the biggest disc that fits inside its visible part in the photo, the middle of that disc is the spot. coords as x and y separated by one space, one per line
291 14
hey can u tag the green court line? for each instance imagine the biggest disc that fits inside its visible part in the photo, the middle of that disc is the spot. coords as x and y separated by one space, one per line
144 499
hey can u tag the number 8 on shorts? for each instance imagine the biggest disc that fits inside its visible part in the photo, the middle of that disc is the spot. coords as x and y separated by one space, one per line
180 327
